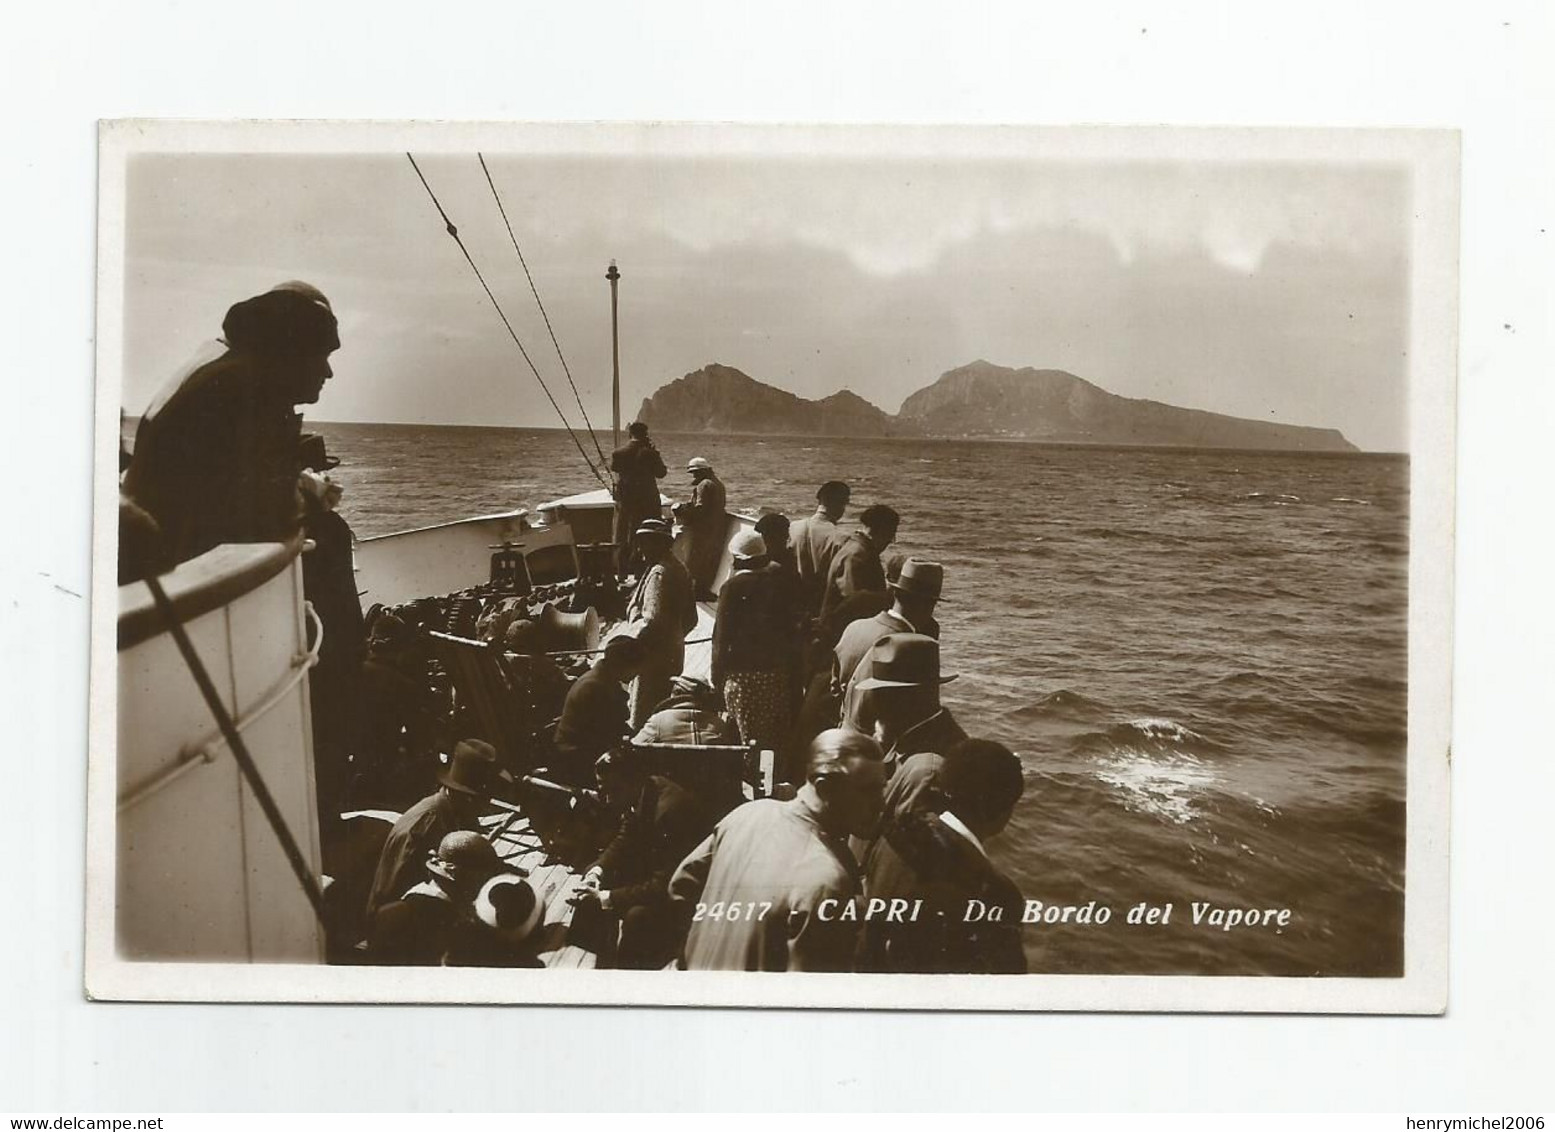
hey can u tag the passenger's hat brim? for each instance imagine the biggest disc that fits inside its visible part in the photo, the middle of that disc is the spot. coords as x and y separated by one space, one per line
871 682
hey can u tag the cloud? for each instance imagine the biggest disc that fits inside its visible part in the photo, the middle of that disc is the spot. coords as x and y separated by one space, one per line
1262 290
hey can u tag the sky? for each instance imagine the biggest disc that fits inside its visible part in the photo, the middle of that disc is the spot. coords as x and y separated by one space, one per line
1273 290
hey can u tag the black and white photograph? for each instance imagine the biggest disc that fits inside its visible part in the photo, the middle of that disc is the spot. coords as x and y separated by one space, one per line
627 563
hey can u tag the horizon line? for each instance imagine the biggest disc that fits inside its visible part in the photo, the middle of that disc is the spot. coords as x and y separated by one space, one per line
1359 451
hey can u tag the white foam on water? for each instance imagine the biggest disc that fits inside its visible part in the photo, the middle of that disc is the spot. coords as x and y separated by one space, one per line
1159 727
1166 786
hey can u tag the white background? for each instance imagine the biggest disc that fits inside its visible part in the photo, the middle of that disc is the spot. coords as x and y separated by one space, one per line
1484 68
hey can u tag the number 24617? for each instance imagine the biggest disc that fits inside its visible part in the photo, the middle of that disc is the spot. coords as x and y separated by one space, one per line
733 911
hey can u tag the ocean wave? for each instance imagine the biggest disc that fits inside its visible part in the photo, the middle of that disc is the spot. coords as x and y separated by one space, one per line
1273 497
1062 704
1247 677
1171 787
1222 591
1350 499
1159 727
1280 716
1145 733
1133 534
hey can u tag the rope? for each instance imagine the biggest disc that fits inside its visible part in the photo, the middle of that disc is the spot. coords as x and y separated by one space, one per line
576 396
454 232
305 877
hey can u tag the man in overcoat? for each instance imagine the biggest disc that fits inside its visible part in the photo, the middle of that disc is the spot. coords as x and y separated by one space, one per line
814 540
706 521
856 566
968 921
217 452
638 468
660 613
471 779
772 889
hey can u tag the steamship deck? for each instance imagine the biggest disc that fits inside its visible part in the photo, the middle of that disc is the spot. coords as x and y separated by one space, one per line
563 948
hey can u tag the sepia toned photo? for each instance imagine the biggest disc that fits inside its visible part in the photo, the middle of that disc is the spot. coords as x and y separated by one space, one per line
952 568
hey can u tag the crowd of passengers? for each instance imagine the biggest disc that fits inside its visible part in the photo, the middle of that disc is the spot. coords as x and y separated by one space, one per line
872 853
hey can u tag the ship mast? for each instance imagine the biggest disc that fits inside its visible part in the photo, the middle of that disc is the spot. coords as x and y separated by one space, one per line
615 361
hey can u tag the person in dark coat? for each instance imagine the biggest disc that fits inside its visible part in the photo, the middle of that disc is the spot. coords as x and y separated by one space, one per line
595 717
814 540
394 722
692 715
334 683
856 567
142 550
661 612
936 853
706 521
899 704
775 532
638 468
471 779
663 822
418 929
915 591
216 453
821 706
752 638
822 702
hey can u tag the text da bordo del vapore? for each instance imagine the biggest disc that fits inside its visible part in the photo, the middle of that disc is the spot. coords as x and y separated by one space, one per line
1198 913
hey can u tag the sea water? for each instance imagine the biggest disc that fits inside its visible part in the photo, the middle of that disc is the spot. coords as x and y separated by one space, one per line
1200 657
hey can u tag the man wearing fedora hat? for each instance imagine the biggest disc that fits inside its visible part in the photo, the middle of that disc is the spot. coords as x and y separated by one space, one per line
915 591
898 700
706 520
660 613
471 778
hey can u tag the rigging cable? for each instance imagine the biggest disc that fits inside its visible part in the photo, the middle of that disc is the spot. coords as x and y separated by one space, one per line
496 196
454 232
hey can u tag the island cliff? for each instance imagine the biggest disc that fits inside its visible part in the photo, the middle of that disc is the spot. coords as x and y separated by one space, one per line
985 400
976 401
718 398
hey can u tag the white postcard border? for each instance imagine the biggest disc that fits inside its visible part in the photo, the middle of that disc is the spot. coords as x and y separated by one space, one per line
1433 156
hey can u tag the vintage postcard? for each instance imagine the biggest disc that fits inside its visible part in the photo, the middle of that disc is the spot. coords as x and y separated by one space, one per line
848 566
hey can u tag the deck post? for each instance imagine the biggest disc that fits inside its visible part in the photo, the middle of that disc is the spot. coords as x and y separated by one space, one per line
615 361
